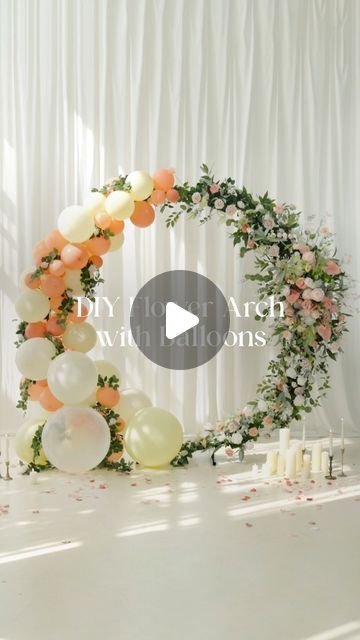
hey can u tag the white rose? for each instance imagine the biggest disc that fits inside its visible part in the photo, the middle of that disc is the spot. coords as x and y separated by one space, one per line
196 197
237 438
299 401
248 411
291 373
262 405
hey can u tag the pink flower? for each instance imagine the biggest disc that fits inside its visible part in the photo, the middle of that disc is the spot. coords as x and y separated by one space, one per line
273 251
229 452
292 296
332 268
250 244
219 204
253 432
307 305
231 209
324 331
219 426
309 256
267 422
286 334
334 347
303 248
317 295
300 283
289 311
245 228
324 231
307 294
279 208
268 223
214 188
196 197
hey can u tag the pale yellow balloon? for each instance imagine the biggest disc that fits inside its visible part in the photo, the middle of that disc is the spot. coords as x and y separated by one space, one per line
131 401
153 437
95 202
120 205
141 185
72 279
76 223
116 242
107 369
79 337
23 440
33 358
32 305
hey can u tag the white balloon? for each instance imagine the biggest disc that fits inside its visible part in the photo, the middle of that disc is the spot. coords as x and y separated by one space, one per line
76 224
94 202
72 279
32 305
107 369
116 242
141 184
72 377
131 401
33 358
79 337
120 205
76 439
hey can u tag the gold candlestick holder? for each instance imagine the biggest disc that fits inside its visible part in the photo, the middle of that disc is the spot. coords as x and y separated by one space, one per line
342 474
330 476
7 476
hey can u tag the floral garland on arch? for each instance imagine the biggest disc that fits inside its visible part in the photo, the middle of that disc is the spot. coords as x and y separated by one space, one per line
298 266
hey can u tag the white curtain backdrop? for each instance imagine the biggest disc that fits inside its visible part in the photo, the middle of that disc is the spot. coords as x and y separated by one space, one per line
267 91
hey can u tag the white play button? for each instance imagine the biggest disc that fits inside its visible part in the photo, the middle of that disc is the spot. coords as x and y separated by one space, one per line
178 320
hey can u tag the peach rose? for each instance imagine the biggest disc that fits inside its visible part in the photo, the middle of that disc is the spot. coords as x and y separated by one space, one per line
253 432
309 256
267 422
332 268
214 188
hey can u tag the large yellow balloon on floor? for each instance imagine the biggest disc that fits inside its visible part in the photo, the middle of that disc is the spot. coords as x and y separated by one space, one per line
153 437
23 440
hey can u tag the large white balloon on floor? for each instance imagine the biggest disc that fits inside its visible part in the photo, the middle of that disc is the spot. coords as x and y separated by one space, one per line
153 437
23 439
76 439
72 377
131 401
76 224
107 369
80 337
32 306
33 358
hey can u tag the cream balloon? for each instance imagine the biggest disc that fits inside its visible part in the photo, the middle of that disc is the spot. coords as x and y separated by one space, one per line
33 358
153 437
88 402
107 369
141 184
76 224
23 440
76 439
72 377
79 337
95 202
32 305
72 279
131 401
116 242
120 205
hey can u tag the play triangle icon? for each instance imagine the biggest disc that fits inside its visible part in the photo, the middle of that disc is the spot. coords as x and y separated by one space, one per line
178 320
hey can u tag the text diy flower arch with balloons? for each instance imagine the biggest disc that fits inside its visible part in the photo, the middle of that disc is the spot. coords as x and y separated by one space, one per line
89 419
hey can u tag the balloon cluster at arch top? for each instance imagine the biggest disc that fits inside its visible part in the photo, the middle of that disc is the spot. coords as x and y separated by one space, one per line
85 414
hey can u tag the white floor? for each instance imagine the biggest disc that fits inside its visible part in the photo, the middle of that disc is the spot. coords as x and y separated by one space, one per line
200 553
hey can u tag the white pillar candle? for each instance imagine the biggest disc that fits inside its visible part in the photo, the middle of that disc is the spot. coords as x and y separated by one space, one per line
324 462
305 471
342 434
316 458
299 456
265 470
304 435
254 470
271 460
274 461
284 438
280 464
290 466
331 445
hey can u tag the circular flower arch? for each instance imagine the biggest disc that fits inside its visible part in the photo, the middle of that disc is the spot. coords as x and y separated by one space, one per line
298 266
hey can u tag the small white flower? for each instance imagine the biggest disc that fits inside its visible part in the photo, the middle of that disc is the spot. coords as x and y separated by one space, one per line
196 197
248 411
299 401
236 438
220 437
309 283
219 204
231 209
240 205
262 405
301 381
291 373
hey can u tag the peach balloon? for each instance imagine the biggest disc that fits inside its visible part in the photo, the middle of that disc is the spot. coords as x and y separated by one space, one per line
57 268
173 195
103 220
107 396
157 197
74 256
56 241
117 226
48 400
42 383
163 179
97 261
52 285
73 315
35 330
98 245
40 251
31 283
55 302
35 390
144 214
54 327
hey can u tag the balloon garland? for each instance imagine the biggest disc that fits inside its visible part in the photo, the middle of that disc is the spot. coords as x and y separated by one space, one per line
297 266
